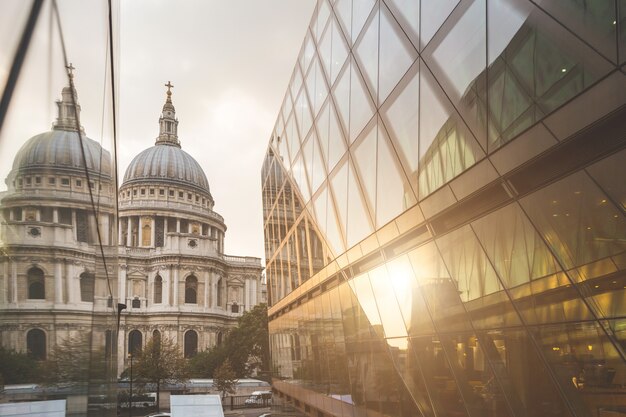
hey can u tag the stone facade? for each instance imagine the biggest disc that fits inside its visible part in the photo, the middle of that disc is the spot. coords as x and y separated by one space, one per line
64 269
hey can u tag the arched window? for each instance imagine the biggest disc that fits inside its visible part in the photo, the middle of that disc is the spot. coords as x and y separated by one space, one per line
156 342
86 286
36 344
219 338
36 284
220 285
191 343
135 341
158 289
191 290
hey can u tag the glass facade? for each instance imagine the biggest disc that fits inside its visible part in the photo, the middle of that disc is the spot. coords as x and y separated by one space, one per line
444 211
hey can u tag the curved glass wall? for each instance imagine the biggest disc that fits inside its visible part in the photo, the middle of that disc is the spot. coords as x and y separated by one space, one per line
444 211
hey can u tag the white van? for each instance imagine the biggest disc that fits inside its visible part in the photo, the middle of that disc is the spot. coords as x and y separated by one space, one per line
259 398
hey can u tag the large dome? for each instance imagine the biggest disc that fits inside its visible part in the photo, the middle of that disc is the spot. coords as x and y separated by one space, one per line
167 163
61 149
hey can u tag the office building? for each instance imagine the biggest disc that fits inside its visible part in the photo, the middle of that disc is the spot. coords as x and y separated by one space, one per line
444 211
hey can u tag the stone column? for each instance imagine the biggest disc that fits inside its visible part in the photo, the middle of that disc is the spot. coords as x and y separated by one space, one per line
153 232
139 232
120 235
255 300
214 279
246 294
5 282
165 231
13 281
175 289
167 276
206 289
122 284
58 282
74 225
177 225
55 215
129 235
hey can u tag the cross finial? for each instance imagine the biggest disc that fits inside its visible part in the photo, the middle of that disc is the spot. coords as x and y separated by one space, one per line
169 86
70 69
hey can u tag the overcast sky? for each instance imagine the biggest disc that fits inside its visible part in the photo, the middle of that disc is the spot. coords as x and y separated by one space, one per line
230 63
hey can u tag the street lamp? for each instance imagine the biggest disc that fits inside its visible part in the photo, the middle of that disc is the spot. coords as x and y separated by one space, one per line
130 395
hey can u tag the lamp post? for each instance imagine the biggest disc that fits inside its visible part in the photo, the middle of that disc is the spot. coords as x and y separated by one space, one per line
130 394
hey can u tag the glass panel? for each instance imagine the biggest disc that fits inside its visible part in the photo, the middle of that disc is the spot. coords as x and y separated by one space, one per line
407 13
396 54
535 64
441 384
406 288
358 223
392 322
446 146
323 11
299 175
341 94
343 9
308 51
393 192
434 13
577 220
362 290
400 114
593 21
622 31
360 11
303 113
476 281
609 174
324 48
320 88
339 52
336 141
313 161
440 291
361 107
527 268
585 363
458 63
367 53
365 161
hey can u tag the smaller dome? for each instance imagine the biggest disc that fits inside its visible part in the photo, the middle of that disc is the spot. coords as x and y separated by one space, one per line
169 164
61 149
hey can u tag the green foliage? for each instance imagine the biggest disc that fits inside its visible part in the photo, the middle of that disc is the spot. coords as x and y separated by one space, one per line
160 361
246 347
73 361
18 368
248 343
224 378
204 364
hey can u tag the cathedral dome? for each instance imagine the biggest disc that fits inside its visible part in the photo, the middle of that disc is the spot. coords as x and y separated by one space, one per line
167 163
61 150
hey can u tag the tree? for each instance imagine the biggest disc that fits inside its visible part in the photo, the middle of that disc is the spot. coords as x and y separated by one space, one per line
248 343
73 361
160 362
204 364
224 378
18 368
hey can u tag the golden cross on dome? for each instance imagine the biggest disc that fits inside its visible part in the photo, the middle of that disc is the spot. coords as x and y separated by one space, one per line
70 69
169 86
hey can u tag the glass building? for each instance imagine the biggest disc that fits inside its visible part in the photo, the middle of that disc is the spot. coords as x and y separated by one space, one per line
444 211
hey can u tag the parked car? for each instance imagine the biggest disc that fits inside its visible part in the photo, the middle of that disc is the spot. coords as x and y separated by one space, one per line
160 414
259 398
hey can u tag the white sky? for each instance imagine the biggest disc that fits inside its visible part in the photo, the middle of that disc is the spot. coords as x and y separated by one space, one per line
229 60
